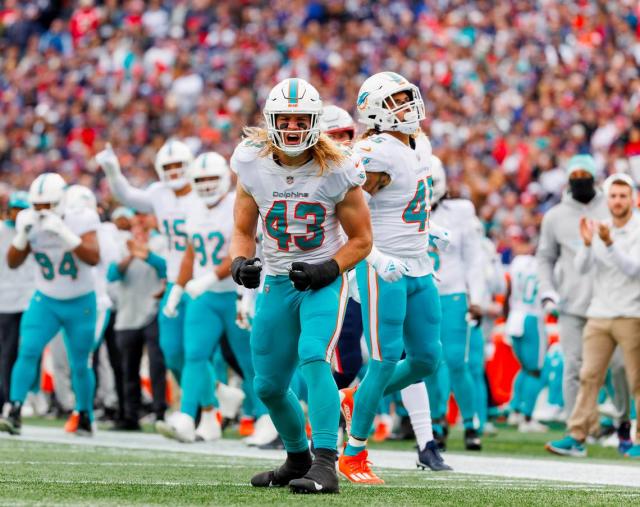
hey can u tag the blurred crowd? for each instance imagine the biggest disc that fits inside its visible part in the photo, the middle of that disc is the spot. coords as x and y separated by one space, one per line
513 88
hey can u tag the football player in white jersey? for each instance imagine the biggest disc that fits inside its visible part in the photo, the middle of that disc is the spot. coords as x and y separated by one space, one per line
460 272
170 199
205 277
400 305
525 326
65 246
304 188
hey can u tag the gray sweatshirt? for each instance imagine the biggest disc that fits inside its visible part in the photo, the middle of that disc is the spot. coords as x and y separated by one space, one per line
16 285
558 246
615 271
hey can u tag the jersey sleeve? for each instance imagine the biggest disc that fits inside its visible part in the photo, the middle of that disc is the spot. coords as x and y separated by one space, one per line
83 221
241 161
349 175
373 153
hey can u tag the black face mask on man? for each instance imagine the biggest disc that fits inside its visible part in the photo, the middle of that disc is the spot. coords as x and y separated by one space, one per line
582 189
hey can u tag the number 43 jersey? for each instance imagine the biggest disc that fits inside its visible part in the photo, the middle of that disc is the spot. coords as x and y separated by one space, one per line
60 274
209 231
400 211
297 205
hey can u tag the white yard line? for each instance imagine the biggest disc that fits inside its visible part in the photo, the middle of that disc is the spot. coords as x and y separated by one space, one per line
583 472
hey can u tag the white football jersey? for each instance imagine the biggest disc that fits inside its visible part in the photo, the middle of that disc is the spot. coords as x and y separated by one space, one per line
297 205
171 213
108 241
400 211
459 269
523 273
60 274
209 231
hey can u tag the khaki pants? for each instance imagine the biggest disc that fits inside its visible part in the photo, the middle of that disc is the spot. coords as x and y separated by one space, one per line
601 336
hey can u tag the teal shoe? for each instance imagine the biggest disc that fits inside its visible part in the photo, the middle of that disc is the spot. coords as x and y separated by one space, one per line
568 446
634 452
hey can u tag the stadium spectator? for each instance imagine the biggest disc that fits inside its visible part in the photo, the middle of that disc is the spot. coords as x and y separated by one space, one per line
610 254
140 282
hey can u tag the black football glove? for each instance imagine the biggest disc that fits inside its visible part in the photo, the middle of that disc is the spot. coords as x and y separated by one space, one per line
307 276
246 272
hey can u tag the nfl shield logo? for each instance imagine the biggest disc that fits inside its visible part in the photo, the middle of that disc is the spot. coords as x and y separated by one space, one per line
289 180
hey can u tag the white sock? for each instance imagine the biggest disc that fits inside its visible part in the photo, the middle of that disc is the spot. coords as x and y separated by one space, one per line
207 417
416 401
354 442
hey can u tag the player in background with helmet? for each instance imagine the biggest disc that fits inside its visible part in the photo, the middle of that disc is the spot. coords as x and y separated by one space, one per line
16 289
461 285
205 276
304 188
66 248
400 305
170 200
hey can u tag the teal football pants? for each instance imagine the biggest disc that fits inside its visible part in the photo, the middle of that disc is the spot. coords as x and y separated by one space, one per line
292 327
42 320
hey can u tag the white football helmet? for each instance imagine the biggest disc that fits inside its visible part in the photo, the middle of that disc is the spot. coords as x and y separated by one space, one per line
209 165
174 152
377 109
293 96
334 119
48 188
78 197
439 179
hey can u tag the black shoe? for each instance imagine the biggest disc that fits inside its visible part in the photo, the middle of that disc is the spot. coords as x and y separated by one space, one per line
12 424
429 457
321 477
126 425
296 465
85 428
276 443
472 440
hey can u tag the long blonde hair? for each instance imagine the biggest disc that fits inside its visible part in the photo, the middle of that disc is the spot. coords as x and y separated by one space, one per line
325 152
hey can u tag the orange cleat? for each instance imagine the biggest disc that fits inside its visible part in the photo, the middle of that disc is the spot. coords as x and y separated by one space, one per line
246 427
357 469
347 400
71 426
382 432
307 428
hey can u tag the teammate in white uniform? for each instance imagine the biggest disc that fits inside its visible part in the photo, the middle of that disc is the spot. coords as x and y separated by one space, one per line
525 326
170 200
459 270
66 248
205 276
304 188
401 310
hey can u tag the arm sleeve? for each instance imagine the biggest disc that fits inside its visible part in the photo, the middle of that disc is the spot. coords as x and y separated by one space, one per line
141 200
584 259
546 255
158 263
629 265
113 274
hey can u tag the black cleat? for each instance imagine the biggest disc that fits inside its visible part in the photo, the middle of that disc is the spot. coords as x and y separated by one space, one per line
296 465
430 457
276 443
85 428
126 424
321 477
12 424
472 440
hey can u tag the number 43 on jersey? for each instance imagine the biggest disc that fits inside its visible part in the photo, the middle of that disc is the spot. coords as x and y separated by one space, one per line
277 225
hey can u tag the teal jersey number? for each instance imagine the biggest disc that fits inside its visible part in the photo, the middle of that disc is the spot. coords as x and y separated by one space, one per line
276 225
200 249
67 266
529 286
176 236
416 211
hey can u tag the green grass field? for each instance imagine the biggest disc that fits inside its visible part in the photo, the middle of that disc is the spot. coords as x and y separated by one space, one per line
68 474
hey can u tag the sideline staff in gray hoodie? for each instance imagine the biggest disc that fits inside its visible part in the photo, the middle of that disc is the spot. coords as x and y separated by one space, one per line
562 288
